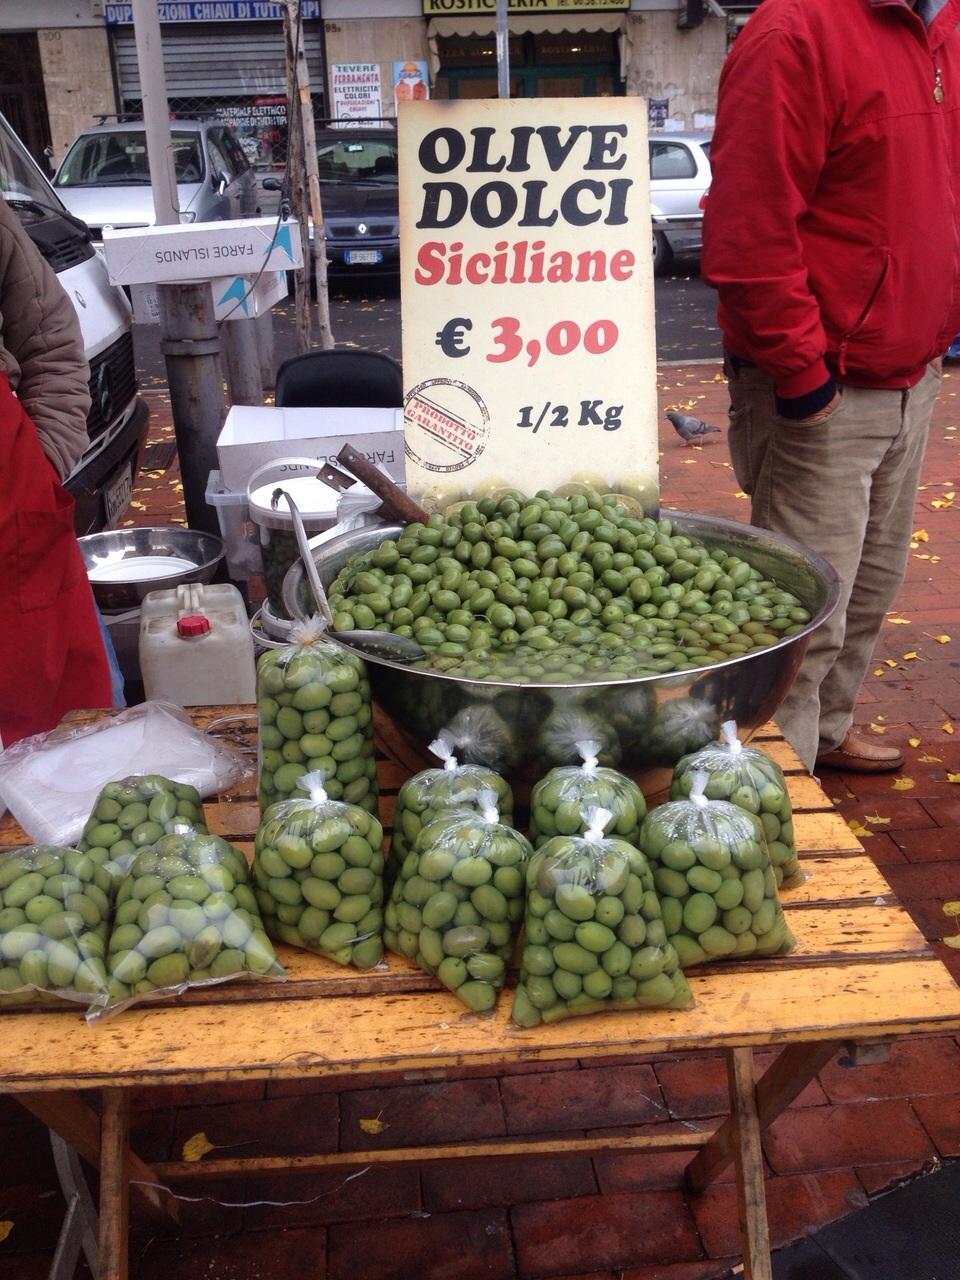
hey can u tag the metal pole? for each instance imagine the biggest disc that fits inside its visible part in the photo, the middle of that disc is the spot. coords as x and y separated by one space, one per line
313 190
156 113
242 357
503 51
189 339
191 347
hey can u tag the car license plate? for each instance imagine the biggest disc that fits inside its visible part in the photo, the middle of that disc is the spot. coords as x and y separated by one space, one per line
116 496
362 257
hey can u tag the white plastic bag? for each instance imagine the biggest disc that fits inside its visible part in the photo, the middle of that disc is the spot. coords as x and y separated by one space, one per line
50 782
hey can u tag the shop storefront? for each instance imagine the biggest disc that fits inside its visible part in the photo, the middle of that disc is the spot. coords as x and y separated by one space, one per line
232 69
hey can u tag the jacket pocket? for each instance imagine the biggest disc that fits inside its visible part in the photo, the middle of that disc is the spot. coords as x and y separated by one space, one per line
48 561
864 315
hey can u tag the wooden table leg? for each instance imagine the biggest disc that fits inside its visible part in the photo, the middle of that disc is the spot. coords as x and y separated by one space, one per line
748 1158
785 1079
114 1185
76 1122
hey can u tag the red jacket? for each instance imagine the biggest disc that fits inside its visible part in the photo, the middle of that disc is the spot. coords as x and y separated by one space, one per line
832 228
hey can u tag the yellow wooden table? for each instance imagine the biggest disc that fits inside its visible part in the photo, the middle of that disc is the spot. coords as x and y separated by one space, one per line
861 974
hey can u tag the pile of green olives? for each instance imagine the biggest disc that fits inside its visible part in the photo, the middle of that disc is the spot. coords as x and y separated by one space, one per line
560 589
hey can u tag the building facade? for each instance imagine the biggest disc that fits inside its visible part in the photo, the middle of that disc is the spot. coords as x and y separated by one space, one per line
65 62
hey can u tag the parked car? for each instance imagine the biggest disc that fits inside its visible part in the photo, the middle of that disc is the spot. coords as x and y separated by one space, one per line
679 179
104 178
359 195
102 480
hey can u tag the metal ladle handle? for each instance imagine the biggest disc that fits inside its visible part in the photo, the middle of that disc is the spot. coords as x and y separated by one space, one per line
309 564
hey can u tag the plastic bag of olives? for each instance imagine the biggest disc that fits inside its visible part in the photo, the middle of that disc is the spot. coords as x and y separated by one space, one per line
318 867
593 937
748 778
428 794
54 909
560 802
457 903
718 893
133 814
185 916
313 710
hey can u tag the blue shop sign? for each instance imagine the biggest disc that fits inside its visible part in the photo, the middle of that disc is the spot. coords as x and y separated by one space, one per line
210 11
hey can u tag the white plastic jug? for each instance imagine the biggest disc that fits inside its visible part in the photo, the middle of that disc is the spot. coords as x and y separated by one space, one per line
195 646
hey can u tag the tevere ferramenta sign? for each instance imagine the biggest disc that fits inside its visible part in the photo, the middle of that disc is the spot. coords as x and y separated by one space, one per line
527 296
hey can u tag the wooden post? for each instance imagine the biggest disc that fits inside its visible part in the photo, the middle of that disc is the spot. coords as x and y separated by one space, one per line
297 177
748 1158
114 1185
309 136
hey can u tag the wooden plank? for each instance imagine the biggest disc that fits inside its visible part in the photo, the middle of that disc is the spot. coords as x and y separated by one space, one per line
783 1081
309 1037
824 833
785 756
114 1185
830 933
806 795
520 1150
67 1114
848 879
748 1157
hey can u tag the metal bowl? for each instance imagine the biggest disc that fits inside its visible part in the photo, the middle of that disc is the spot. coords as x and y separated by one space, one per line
204 551
644 725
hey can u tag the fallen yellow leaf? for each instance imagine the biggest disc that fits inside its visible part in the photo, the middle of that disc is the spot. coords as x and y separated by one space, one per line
374 1125
943 639
951 908
953 777
196 1148
878 671
920 535
859 830
947 726
930 759
5 1228
939 504
877 820
740 494
914 742
877 728
890 662
903 784
899 622
909 657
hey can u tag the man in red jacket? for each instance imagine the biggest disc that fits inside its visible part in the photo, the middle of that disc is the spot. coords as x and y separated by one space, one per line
832 234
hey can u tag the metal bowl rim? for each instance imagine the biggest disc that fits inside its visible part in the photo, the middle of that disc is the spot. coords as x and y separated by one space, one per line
822 566
85 543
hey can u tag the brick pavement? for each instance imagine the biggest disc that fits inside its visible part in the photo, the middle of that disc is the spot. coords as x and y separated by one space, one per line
849 1136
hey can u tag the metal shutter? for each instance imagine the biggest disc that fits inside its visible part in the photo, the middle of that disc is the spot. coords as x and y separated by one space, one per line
209 60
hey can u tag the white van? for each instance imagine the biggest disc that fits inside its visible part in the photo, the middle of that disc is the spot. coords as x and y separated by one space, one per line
102 481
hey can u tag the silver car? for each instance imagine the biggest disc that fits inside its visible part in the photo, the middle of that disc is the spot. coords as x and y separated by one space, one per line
105 180
679 180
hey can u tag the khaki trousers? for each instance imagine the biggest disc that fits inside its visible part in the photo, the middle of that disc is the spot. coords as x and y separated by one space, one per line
845 488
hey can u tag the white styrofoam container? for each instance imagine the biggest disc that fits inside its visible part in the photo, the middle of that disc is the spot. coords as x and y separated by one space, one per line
254 434
201 670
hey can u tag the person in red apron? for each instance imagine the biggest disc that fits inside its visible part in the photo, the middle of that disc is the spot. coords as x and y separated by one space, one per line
52 657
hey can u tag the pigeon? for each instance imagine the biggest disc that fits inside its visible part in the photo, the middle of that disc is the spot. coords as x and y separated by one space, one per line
690 429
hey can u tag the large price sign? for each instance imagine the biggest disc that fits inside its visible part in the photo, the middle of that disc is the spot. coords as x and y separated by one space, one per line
527 296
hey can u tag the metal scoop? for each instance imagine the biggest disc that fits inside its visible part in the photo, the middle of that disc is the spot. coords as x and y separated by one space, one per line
378 644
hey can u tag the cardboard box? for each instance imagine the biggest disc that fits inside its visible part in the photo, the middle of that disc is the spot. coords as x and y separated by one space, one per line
255 434
234 297
194 251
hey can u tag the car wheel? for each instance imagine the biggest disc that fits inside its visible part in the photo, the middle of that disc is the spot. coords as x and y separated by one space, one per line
662 254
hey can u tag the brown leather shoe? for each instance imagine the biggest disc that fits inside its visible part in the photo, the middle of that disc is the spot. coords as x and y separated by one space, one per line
860 754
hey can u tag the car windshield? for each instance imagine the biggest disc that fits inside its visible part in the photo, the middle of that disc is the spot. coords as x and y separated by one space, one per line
21 182
357 160
119 159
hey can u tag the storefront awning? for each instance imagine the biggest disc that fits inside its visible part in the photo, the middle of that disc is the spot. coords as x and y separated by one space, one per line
520 24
